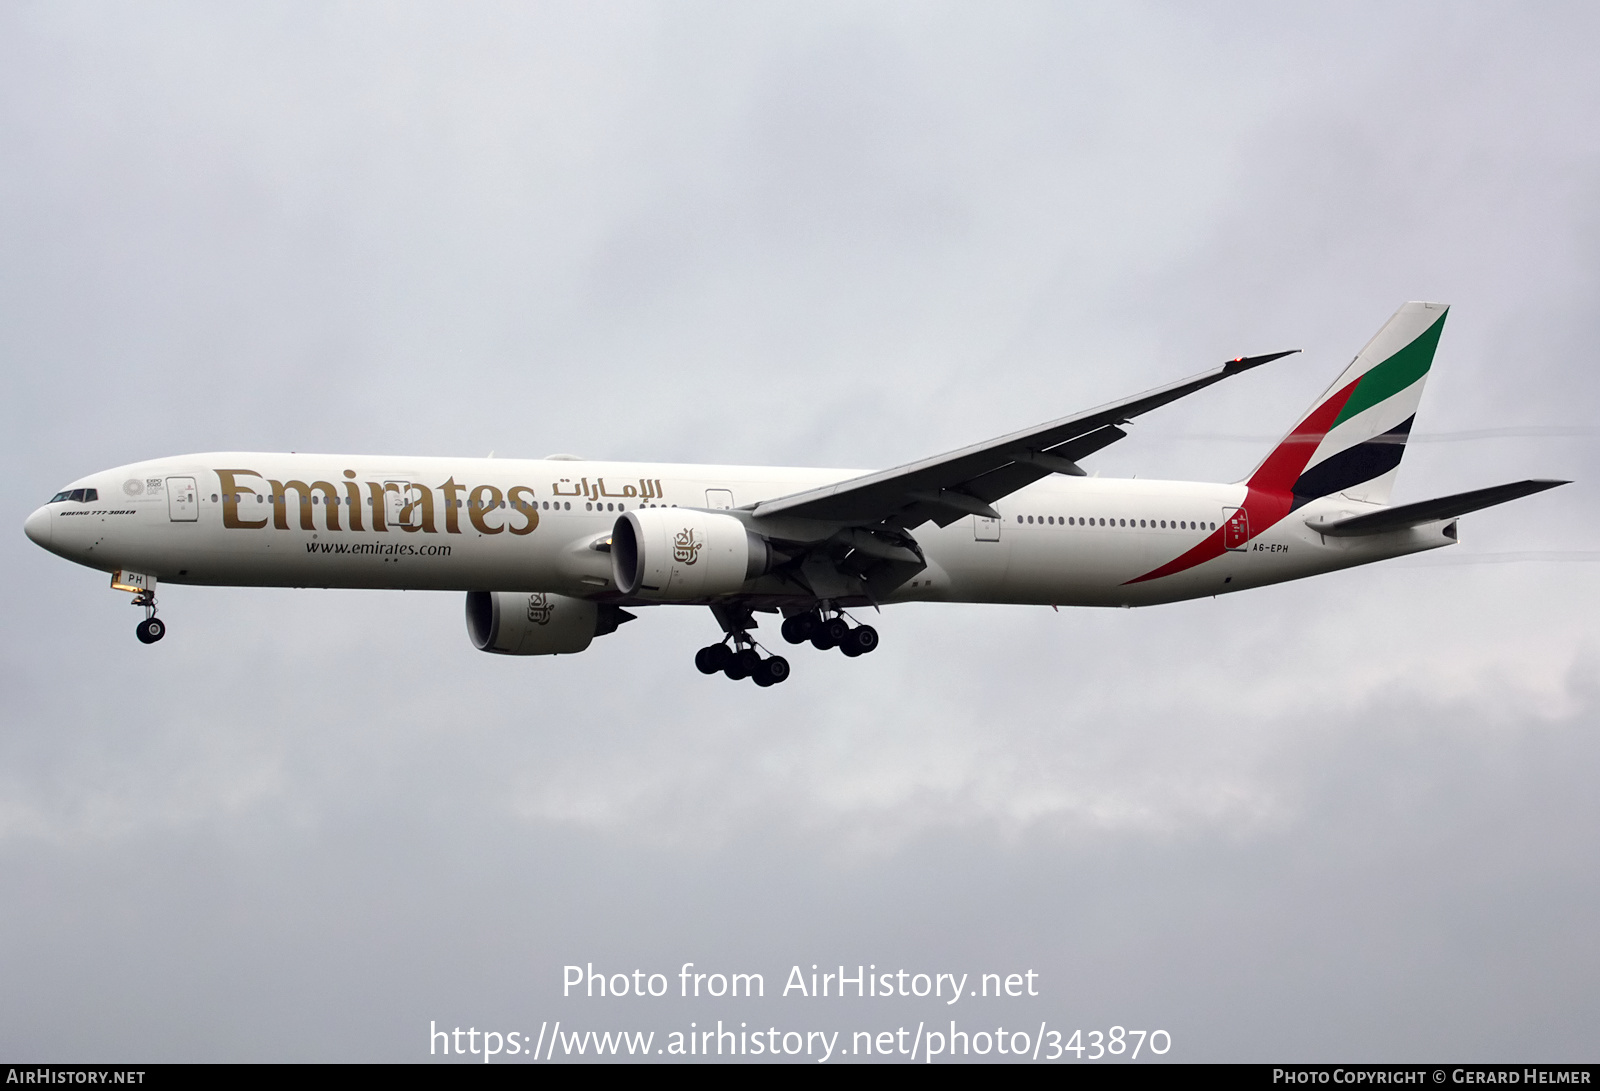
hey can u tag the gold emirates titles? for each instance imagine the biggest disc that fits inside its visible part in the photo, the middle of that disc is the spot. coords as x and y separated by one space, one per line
414 507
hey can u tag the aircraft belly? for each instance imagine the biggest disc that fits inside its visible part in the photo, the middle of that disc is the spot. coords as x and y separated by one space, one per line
974 571
392 559
1053 566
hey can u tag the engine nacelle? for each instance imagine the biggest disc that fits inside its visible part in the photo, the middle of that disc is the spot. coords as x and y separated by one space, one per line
515 623
683 555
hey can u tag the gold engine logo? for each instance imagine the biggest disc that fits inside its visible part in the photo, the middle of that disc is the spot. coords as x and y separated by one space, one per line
685 550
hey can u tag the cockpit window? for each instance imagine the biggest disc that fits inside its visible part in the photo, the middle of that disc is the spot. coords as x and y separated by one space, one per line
83 496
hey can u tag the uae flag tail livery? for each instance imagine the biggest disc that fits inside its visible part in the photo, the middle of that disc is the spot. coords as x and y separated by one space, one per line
553 553
1351 440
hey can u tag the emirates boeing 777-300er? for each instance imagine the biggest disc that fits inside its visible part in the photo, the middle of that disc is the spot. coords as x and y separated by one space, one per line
554 552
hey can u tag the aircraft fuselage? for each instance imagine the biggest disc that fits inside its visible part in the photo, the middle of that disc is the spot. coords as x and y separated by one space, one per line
458 524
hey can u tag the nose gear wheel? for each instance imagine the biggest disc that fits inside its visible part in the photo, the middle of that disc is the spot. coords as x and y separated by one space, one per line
151 628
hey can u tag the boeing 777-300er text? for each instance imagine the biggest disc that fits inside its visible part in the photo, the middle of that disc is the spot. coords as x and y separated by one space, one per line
554 552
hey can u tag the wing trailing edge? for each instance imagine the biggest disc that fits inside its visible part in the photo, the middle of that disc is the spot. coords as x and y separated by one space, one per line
969 481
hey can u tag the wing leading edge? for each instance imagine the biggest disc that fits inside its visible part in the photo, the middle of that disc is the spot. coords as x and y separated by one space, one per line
968 481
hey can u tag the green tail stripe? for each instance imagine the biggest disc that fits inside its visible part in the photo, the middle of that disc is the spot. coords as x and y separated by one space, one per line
1394 374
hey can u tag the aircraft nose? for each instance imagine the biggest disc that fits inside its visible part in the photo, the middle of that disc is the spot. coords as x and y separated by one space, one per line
38 527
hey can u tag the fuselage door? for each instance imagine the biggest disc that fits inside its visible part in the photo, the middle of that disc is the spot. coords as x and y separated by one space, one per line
985 530
719 499
400 508
183 500
1235 529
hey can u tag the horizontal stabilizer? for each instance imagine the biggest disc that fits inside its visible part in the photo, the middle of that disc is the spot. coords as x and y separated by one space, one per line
1430 511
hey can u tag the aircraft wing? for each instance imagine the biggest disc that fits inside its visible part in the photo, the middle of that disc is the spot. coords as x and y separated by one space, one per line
968 481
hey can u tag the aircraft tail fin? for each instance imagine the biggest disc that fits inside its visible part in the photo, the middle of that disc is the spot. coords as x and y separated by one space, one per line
1351 440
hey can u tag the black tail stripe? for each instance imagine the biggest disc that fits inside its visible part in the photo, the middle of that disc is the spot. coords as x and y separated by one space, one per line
1349 468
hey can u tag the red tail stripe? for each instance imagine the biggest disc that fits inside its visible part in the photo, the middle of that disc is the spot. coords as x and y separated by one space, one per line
1283 467
1267 497
1208 548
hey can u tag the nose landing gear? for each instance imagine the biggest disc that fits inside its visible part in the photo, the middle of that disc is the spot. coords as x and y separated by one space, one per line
151 628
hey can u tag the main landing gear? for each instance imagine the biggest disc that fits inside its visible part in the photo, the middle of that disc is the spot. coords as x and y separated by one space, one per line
742 660
830 632
739 656
152 628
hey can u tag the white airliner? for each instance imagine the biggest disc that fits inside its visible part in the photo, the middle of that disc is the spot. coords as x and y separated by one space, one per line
553 552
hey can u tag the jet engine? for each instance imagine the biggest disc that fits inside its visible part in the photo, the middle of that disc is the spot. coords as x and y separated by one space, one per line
683 555
515 623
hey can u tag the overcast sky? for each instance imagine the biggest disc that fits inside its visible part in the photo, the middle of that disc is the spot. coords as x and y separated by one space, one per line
1348 818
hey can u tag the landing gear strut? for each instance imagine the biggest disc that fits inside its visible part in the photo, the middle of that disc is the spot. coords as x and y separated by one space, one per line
152 628
826 632
739 656
743 658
